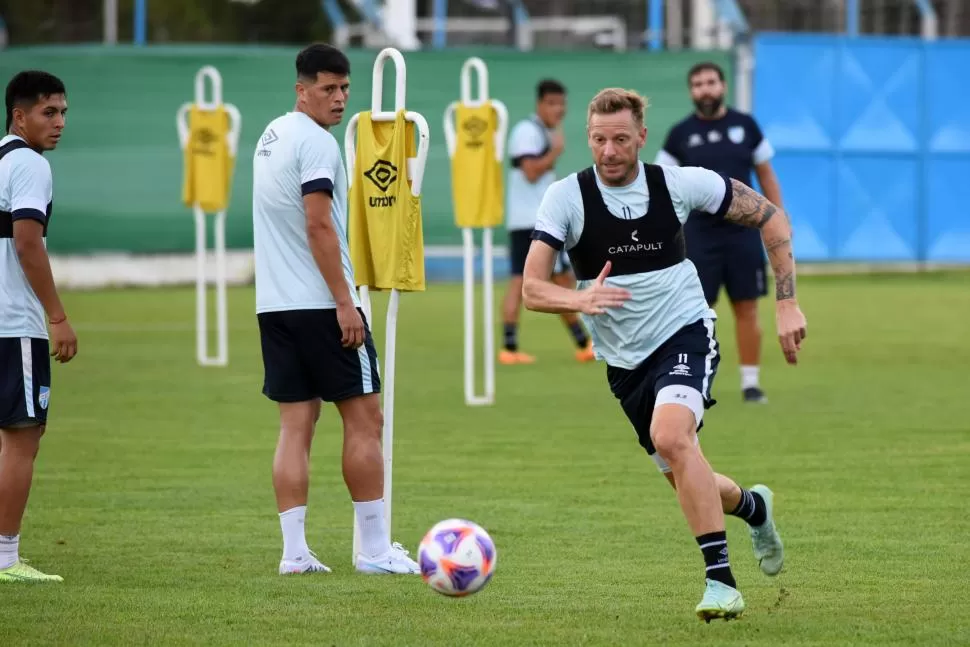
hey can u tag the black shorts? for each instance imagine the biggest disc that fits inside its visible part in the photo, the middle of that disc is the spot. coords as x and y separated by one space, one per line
519 242
730 258
25 381
681 371
303 358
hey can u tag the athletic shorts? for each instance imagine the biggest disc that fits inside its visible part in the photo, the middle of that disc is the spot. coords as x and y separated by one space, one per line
519 242
303 358
729 258
25 381
681 371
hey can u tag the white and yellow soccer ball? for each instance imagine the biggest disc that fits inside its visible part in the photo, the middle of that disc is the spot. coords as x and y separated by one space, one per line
457 557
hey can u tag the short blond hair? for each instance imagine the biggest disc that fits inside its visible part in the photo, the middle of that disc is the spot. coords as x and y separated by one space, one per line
610 101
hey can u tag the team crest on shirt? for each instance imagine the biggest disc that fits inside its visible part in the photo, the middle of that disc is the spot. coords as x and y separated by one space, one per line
736 134
43 397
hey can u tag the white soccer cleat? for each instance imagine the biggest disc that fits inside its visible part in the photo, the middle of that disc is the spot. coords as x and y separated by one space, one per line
304 564
393 562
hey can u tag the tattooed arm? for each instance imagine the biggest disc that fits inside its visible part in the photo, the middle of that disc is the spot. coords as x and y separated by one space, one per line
752 209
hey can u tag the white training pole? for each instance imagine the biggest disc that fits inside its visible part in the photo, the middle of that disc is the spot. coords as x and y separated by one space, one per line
221 358
468 241
415 170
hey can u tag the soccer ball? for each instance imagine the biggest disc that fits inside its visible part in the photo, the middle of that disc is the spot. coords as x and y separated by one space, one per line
457 557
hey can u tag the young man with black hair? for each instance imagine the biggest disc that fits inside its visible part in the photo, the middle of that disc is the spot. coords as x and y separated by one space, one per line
36 104
316 345
535 144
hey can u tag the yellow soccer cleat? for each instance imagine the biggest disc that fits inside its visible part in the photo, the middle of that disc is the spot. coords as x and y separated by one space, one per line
21 572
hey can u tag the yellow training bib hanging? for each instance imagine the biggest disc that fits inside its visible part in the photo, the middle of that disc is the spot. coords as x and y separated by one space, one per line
208 161
476 175
386 238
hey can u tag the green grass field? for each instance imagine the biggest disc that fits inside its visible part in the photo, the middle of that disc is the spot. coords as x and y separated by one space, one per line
153 499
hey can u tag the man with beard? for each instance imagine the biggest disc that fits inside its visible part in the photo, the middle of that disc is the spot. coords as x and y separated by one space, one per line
728 142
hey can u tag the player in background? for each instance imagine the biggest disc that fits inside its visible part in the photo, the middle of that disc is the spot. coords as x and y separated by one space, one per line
729 142
36 105
621 221
535 144
316 345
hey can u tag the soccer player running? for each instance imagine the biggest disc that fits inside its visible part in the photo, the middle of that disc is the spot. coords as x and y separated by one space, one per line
621 222
535 144
316 345
36 105
725 253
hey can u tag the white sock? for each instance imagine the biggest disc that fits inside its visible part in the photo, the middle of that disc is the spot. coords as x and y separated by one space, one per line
294 536
9 547
373 536
749 376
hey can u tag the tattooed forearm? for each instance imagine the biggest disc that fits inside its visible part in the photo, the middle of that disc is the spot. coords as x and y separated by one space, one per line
749 208
785 286
777 239
752 209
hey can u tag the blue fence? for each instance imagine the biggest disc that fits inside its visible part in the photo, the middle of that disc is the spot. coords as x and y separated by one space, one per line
873 144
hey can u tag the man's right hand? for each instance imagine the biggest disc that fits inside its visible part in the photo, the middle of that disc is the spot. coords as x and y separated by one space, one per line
351 326
595 299
63 342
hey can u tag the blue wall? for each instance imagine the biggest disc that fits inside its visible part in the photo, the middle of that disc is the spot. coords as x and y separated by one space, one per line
873 144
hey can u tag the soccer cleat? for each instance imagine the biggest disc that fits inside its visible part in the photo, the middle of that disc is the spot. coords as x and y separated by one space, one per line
765 540
585 354
509 357
720 601
393 562
303 564
754 395
21 572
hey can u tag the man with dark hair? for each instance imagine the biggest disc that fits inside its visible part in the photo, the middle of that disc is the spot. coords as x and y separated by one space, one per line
36 105
316 345
535 144
731 143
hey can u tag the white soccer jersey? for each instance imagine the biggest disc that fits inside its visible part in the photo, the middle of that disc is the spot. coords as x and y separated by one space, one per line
529 139
663 301
26 191
294 157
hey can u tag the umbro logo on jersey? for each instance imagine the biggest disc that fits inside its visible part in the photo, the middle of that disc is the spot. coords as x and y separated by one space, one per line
382 174
474 127
269 137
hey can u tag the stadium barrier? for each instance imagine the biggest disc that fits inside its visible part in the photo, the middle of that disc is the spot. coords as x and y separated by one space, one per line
859 115
873 145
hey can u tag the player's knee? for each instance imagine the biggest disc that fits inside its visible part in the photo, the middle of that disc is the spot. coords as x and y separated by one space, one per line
671 442
672 432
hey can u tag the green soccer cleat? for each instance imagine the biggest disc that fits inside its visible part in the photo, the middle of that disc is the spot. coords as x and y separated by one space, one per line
21 572
765 541
720 601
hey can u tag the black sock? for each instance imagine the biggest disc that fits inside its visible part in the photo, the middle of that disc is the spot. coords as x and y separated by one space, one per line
714 547
511 343
579 334
751 508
